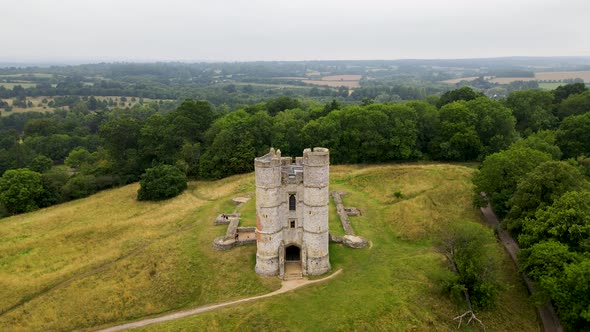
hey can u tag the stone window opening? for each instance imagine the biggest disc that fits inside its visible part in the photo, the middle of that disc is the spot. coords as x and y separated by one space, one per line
291 223
292 202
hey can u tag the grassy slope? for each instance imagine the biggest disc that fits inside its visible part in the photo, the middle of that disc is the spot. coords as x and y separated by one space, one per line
130 259
109 258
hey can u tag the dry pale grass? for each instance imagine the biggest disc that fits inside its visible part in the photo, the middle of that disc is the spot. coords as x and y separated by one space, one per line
237 183
46 247
430 195
108 258
392 286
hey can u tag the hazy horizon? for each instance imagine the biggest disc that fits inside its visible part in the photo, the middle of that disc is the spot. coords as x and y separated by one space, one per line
264 30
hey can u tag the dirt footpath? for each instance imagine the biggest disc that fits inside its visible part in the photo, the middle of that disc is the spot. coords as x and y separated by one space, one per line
287 286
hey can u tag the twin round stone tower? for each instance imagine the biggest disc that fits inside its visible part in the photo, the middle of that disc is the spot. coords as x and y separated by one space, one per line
292 213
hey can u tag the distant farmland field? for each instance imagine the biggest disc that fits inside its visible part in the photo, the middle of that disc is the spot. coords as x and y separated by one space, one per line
349 81
550 86
342 78
561 75
540 76
38 106
457 80
506 80
348 84
11 85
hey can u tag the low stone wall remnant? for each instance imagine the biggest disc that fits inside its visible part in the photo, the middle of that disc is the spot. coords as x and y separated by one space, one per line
234 235
350 240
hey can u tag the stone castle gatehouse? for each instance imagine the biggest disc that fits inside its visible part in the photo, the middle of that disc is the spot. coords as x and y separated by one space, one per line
292 213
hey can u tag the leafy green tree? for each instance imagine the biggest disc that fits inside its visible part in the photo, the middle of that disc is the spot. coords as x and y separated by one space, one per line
373 133
567 220
464 93
562 276
500 172
546 259
543 140
540 188
40 164
532 109
56 146
191 119
120 136
469 249
569 292
161 182
260 127
427 124
280 104
494 124
399 134
562 92
458 138
575 104
20 190
80 185
158 142
190 153
286 131
53 182
231 146
568 288
573 136
42 127
78 158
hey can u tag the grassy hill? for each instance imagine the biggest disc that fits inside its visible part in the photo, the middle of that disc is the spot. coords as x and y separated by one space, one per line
109 258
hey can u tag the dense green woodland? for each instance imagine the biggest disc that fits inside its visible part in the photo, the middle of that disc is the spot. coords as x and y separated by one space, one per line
539 186
533 147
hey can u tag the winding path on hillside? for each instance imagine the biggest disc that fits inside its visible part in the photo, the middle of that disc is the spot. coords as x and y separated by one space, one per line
287 286
546 312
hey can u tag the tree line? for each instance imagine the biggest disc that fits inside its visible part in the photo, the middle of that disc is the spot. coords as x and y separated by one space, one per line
539 187
85 149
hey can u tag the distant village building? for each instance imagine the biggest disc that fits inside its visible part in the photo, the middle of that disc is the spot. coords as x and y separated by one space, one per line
292 213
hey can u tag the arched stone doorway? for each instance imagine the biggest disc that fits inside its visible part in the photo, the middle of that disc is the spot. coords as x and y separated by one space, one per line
292 264
292 254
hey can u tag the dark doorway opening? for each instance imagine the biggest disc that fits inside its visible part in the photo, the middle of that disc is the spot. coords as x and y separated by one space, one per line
292 253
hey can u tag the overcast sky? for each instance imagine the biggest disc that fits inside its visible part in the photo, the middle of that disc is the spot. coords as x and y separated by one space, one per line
229 30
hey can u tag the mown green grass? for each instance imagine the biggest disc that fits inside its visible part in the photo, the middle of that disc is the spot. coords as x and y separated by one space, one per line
129 259
23 84
550 86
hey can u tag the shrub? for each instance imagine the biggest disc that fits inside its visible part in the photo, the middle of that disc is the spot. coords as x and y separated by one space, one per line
20 190
161 182
80 186
40 164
